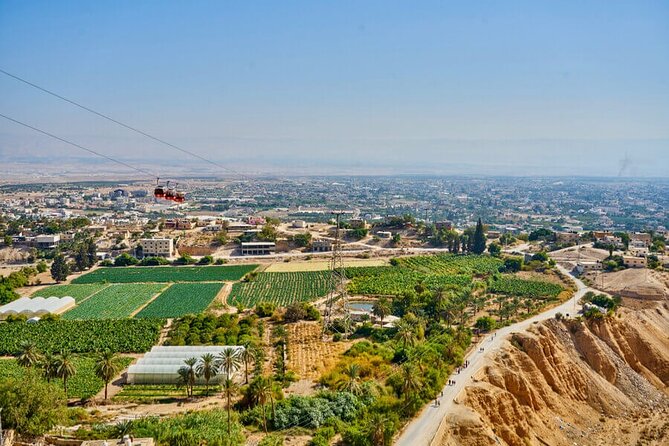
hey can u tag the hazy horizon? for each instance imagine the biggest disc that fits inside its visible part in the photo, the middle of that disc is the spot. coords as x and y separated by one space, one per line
567 89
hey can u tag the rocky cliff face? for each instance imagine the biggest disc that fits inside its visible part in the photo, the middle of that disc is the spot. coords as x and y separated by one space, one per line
573 383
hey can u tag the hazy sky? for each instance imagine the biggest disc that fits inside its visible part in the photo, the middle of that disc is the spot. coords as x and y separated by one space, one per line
532 87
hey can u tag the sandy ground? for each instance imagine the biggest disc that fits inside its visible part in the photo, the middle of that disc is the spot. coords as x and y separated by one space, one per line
640 283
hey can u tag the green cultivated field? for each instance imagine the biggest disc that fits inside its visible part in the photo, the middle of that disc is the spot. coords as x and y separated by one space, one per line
157 393
452 264
79 292
181 299
82 385
520 287
281 288
395 281
121 335
115 302
141 274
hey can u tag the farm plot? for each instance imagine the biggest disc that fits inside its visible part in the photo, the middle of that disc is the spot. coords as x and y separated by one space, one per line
137 274
395 281
308 355
281 288
79 292
117 335
181 299
157 393
452 264
115 302
84 384
514 286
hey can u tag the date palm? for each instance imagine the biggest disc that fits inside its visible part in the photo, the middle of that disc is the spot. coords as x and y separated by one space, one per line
410 381
247 355
351 381
187 374
405 333
65 368
381 309
261 391
229 388
107 367
206 369
229 361
49 365
28 356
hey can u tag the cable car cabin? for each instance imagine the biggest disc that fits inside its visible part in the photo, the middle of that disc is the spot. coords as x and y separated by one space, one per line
159 192
169 195
179 197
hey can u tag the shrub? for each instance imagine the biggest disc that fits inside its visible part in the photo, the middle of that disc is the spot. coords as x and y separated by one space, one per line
265 309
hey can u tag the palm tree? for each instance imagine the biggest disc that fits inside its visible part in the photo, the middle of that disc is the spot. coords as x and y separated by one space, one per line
247 355
351 381
28 356
378 423
260 392
184 379
381 309
65 368
410 381
207 369
405 332
107 367
229 361
230 388
190 376
49 366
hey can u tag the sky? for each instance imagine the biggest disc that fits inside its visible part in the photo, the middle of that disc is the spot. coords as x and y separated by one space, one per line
512 87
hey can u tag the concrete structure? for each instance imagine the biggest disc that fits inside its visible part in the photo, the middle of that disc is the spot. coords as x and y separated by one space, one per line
157 247
443 225
180 224
584 267
643 237
299 224
384 234
258 248
493 234
357 223
567 237
47 241
321 245
634 262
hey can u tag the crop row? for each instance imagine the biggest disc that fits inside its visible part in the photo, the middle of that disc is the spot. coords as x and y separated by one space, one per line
138 274
181 299
519 287
281 288
116 301
84 384
121 335
79 292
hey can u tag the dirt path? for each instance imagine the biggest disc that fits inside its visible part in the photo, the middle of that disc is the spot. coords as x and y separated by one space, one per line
422 429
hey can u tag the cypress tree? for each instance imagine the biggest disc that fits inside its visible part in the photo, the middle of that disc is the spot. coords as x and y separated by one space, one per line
479 239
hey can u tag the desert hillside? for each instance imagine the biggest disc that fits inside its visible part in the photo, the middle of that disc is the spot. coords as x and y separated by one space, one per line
572 383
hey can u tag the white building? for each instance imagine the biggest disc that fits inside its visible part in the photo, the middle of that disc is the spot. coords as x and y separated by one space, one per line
47 241
157 247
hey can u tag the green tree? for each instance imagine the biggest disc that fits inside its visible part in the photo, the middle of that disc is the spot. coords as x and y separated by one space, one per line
59 268
381 309
351 381
49 364
207 369
229 388
65 368
229 361
28 355
247 356
42 267
125 259
8 240
478 242
410 380
495 250
107 367
30 405
303 239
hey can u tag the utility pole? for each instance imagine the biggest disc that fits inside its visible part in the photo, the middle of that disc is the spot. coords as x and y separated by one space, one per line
337 293
2 437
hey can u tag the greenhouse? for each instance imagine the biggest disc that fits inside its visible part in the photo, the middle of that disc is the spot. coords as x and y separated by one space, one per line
161 365
36 307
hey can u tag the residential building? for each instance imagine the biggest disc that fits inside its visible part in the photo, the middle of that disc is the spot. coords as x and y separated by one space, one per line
258 248
47 241
321 245
157 247
357 223
634 262
642 237
384 234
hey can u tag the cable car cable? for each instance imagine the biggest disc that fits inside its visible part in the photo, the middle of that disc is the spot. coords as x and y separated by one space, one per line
51 135
129 127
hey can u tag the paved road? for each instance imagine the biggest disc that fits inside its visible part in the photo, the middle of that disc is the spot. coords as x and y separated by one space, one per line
421 431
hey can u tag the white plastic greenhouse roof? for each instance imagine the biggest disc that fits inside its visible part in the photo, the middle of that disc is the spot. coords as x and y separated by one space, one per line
162 363
37 306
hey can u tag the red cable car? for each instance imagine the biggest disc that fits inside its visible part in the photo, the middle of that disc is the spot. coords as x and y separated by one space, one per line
168 192
159 191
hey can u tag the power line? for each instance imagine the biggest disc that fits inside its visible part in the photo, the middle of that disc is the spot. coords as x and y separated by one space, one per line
129 127
74 144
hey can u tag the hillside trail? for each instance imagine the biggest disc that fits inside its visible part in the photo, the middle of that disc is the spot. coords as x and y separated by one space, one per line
422 429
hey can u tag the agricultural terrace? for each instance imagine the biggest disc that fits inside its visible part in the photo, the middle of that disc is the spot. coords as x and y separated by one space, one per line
119 335
514 286
142 274
115 302
478 265
281 288
157 393
181 299
84 384
79 292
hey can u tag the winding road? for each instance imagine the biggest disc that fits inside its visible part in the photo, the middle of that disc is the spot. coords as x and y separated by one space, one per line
422 429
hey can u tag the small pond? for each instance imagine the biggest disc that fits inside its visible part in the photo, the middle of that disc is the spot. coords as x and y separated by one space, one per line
362 306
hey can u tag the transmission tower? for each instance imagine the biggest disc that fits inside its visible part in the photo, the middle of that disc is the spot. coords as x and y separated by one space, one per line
337 301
